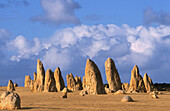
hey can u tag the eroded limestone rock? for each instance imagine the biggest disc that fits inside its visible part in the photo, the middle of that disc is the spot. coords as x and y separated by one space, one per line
119 92
39 82
59 80
10 101
71 83
136 82
49 85
28 81
127 99
10 86
148 83
78 83
93 82
125 87
112 75
15 85
35 76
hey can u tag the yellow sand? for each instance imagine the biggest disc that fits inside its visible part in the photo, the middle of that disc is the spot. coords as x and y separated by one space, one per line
51 102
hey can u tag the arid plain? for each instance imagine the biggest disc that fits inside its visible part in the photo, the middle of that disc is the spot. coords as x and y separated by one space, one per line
50 101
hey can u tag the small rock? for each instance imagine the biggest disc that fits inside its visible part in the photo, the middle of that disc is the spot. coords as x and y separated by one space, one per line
152 93
107 90
83 93
154 96
127 99
64 95
160 93
119 92
135 92
15 85
64 90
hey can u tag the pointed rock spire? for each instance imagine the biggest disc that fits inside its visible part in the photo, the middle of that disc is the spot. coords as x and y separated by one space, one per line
59 82
39 83
112 74
78 83
71 83
49 85
136 82
148 83
10 86
93 79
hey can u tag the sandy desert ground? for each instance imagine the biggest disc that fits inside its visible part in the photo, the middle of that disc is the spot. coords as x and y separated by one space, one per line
51 102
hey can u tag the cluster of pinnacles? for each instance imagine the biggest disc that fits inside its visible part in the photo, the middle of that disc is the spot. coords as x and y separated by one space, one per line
47 82
50 81
92 81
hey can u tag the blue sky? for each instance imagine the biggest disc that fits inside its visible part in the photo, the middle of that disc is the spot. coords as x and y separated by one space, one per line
64 33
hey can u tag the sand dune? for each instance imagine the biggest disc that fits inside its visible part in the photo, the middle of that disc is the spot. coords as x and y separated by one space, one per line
51 102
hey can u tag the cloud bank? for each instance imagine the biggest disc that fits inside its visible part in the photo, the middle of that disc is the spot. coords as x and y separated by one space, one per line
58 12
148 47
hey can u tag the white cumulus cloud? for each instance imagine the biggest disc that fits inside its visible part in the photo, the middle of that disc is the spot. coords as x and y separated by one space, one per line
25 48
58 12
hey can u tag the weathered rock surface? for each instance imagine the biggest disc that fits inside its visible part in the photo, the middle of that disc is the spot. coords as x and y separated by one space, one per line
64 93
107 90
125 87
78 83
136 82
10 101
84 82
65 90
28 81
93 82
35 76
119 92
74 84
49 85
83 93
160 93
15 85
112 74
134 92
152 93
39 83
59 82
10 86
127 99
71 83
148 83
155 96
